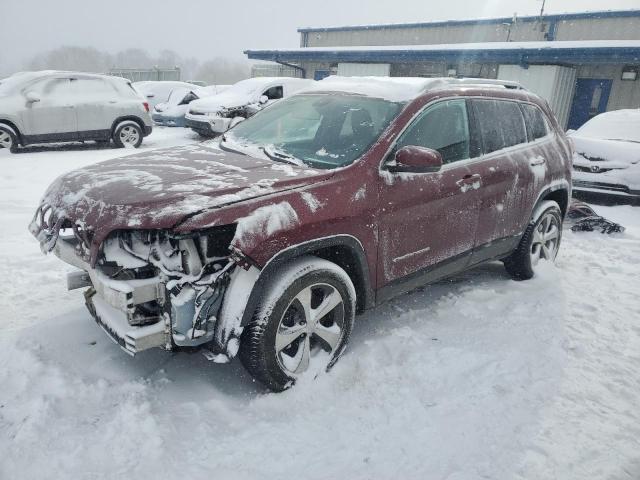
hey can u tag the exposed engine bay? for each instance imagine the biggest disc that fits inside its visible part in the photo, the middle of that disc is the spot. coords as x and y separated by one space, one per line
167 289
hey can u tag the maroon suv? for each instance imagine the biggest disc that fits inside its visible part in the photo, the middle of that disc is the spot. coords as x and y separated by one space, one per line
323 205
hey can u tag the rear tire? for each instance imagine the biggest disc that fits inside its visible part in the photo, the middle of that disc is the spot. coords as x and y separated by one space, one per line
8 139
304 320
128 134
541 241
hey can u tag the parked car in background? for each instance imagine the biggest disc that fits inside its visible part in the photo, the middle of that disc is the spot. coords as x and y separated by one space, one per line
171 113
607 154
158 91
52 106
214 115
315 209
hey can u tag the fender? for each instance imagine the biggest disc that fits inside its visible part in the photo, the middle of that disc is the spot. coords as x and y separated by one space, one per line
353 244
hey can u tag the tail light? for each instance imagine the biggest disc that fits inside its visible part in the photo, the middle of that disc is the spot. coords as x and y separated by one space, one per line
146 106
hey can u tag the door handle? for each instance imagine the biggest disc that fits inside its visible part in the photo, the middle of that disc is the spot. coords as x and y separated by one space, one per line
470 180
538 161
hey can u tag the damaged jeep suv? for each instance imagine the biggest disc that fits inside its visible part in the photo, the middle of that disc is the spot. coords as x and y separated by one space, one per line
320 206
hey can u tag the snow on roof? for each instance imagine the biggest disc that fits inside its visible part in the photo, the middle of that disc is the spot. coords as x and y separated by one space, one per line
471 21
539 45
394 89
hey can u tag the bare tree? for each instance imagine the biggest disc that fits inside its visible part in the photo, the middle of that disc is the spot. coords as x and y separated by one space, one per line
223 71
85 59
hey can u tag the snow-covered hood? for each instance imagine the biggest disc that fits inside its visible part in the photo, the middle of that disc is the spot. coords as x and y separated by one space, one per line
158 189
226 99
616 153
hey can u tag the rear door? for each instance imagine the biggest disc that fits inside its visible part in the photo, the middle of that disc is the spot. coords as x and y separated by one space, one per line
428 220
96 105
54 116
505 182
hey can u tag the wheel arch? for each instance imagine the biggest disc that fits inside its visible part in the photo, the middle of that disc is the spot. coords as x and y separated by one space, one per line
126 118
13 126
344 250
559 193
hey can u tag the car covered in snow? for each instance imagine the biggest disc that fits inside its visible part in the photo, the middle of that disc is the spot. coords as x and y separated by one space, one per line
171 113
214 115
158 91
607 154
53 106
319 207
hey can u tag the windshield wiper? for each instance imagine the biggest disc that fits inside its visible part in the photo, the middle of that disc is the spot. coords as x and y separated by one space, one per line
280 156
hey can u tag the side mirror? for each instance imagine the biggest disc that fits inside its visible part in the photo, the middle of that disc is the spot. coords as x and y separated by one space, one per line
32 97
414 159
263 99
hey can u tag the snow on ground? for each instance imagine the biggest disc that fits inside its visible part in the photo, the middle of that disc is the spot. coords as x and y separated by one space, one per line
473 378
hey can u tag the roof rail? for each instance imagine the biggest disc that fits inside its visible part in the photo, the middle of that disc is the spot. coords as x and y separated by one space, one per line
485 81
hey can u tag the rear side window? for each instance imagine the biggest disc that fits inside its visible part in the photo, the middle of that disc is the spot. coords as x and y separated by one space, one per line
92 88
443 127
500 123
533 119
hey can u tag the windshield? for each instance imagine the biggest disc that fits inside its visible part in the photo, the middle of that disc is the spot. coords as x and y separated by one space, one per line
321 130
14 82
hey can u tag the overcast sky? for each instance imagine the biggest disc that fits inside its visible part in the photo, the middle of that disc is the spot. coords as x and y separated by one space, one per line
210 28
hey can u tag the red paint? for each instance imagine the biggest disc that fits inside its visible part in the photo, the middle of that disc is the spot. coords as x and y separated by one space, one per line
405 225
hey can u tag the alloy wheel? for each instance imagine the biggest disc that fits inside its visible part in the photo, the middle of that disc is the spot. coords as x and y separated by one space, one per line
544 245
312 323
129 135
5 140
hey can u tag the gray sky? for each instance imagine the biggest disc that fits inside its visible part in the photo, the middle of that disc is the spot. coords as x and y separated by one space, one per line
206 29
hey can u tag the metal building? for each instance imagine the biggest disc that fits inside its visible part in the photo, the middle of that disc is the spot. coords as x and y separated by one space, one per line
582 63
145 74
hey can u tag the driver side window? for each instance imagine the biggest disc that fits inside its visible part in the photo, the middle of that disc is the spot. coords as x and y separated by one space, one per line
443 127
273 93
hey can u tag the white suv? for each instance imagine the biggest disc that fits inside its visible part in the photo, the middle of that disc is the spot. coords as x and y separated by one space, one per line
51 106
214 115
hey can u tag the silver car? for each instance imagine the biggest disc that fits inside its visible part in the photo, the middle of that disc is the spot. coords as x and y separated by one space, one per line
52 106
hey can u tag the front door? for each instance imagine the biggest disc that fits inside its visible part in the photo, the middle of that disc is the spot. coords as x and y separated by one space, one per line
427 221
54 116
590 99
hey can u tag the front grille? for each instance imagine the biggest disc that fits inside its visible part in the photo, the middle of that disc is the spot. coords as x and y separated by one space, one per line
591 169
601 186
193 112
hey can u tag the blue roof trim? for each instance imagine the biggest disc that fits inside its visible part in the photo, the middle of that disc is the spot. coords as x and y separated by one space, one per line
518 56
483 21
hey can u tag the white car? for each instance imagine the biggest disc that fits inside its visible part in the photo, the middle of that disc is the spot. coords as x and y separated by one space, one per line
214 115
171 113
51 106
158 91
607 158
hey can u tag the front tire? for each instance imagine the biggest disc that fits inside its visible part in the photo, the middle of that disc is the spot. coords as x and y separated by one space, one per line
8 139
541 241
303 323
128 135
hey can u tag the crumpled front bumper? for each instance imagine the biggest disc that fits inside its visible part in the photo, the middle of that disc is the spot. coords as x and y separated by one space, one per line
112 303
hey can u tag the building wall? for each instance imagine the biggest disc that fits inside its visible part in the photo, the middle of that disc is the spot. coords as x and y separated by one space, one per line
625 28
600 29
624 94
